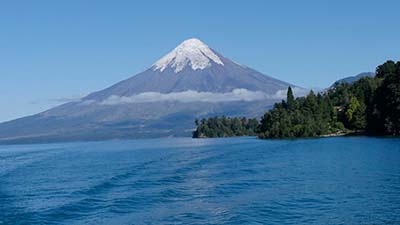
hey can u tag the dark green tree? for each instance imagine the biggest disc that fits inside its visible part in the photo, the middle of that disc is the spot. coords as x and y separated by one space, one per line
290 99
385 115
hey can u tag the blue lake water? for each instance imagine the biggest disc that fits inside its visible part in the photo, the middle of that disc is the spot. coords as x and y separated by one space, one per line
353 180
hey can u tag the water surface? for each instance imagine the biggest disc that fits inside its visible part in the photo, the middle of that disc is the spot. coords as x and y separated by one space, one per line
202 181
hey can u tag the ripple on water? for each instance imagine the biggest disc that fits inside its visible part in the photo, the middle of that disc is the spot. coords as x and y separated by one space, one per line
212 181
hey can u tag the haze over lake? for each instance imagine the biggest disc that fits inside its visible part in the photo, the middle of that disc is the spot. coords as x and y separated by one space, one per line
350 180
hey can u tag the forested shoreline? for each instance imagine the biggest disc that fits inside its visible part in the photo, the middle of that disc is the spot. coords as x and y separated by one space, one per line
370 106
225 127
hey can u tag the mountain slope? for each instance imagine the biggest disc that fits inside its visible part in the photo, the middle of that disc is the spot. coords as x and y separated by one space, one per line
353 79
185 69
191 81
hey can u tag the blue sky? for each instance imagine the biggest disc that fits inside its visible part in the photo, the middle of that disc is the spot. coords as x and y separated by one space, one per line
52 51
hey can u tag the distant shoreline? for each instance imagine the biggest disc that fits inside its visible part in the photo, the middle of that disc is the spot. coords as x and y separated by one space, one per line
337 134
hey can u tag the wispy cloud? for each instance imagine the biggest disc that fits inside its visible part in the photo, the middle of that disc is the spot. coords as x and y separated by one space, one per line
66 99
60 100
195 96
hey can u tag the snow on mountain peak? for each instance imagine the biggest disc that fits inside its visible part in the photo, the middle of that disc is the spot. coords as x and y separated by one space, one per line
192 52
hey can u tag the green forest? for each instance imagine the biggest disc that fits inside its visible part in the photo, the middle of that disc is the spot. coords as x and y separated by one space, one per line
225 127
369 106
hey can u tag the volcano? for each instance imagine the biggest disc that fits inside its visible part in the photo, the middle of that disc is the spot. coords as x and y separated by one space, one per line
192 81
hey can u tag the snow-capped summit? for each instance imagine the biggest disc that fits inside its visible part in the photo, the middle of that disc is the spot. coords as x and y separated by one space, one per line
192 52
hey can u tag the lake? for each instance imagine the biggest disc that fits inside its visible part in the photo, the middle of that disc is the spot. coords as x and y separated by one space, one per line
343 180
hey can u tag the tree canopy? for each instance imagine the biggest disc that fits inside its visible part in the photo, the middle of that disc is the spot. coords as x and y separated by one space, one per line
225 127
370 105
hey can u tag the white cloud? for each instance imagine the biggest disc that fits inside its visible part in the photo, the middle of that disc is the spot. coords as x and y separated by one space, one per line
195 96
